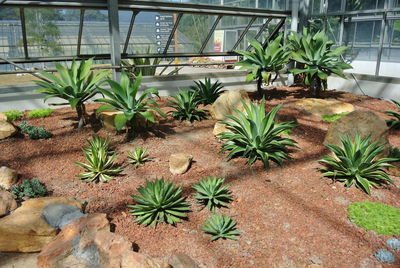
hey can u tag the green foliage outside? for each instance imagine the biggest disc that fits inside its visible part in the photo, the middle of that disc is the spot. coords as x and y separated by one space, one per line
334 117
29 189
13 114
186 106
220 226
357 163
255 135
378 217
35 133
159 201
212 193
40 113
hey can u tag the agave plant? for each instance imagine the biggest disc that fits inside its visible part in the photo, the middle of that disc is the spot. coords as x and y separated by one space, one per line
138 157
186 106
212 193
394 123
254 135
262 62
123 97
206 92
100 166
220 227
159 201
357 163
318 59
75 85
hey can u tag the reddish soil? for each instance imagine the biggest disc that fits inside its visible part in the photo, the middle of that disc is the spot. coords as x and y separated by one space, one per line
288 216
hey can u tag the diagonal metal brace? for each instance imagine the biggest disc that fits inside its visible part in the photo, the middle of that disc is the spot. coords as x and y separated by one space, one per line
243 33
178 19
203 46
274 32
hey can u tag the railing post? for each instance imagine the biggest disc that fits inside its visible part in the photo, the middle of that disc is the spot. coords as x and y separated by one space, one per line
113 23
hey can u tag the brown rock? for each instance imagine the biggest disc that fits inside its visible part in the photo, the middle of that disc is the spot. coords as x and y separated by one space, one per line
227 102
3 117
6 130
395 171
25 230
363 122
179 163
107 119
321 107
8 177
7 202
219 128
182 261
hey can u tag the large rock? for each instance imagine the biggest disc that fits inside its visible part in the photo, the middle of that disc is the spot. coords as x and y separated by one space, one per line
8 177
363 122
88 242
107 119
25 230
58 215
179 163
321 107
3 117
227 102
6 130
181 260
219 128
7 202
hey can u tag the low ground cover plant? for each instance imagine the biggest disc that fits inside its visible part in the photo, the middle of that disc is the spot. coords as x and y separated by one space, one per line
334 117
138 157
159 201
38 113
379 217
35 133
13 114
212 193
357 163
395 122
29 189
186 106
255 135
100 162
220 226
207 92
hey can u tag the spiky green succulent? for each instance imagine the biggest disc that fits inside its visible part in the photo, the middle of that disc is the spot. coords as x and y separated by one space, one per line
212 193
395 122
220 226
186 106
207 92
138 157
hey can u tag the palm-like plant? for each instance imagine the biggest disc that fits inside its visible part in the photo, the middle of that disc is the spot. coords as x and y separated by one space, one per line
318 59
159 201
394 123
100 166
186 106
123 97
262 62
212 193
220 227
207 92
254 134
138 157
75 85
357 163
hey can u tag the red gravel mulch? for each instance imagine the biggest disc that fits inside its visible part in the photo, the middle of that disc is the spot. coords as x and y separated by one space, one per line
288 216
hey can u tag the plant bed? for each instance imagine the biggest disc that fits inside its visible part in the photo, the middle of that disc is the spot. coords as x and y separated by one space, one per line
287 216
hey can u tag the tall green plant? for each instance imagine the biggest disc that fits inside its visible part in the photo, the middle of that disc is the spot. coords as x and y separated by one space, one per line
395 121
75 85
124 97
317 58
207 92
262 62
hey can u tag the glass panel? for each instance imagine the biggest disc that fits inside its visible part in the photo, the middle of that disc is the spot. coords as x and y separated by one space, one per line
124 22
390 63
10 33
353 5
334 6
266 4
95 35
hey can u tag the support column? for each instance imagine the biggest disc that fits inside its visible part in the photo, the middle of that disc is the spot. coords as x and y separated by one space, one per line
113 23
304 13
293 28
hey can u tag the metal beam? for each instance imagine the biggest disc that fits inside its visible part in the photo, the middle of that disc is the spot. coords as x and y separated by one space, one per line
262 28
274 32
81 18
178 19
23 28
113 23
380 49
128 35
203 46
243 33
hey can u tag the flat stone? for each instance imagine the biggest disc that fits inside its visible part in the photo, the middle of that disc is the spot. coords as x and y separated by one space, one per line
8 177
25 230
181 260
7 202
3 117
227 102
395 171
321 107
6 130
179 163
107 119
219 128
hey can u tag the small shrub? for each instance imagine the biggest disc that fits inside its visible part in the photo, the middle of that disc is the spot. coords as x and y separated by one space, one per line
206 92
334 117
35 133
255 135
29 189
40 113
159 201
381 218
138 157
186 107
100 166
357 163
211 193
13 114
220 227
394 123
